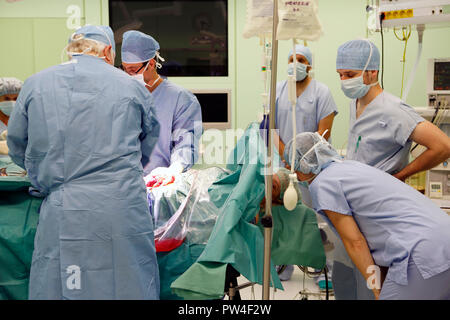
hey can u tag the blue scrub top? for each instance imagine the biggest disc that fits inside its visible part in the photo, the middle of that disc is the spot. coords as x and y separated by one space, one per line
380 136
179 114
397 221
314 104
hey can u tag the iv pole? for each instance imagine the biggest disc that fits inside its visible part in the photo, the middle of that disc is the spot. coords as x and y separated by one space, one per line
266 220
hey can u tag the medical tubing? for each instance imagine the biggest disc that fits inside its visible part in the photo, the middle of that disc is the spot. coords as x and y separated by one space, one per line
420 29
405 38
294 122
382 16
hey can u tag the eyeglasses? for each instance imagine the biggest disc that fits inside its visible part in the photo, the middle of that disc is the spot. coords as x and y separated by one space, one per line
136 72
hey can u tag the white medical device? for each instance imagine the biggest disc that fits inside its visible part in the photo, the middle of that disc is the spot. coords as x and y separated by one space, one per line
438 77
437 183
399 13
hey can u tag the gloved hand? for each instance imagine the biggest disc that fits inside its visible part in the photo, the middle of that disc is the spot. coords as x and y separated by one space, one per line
176 168
160 171
163 176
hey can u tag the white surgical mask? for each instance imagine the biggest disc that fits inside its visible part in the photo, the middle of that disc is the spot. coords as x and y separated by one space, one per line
355 88
140 76
300 73
6 107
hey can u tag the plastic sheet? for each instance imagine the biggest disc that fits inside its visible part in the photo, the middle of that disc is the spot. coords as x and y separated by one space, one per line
183 211
184 216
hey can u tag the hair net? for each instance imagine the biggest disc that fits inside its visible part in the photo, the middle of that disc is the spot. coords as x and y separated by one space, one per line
138 47
304 51
103 34
10 86
308 160
354 54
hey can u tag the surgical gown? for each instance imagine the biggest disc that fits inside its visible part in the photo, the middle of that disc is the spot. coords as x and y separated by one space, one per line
80 129
314 104
180 117
380 136
398 222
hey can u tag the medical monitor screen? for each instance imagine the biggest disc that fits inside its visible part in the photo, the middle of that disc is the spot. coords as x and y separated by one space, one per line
214 107
192 34
442 76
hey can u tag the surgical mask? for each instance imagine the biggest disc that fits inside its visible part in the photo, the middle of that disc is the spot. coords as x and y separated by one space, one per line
6 107
300 73
355 88
140 76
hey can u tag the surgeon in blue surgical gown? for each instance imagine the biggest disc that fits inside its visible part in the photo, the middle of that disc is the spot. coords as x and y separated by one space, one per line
178 110
80 129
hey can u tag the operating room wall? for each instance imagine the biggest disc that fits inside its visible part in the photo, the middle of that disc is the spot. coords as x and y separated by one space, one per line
34 32
342 20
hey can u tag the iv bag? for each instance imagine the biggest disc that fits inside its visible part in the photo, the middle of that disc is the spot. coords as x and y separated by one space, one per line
259 21
298 19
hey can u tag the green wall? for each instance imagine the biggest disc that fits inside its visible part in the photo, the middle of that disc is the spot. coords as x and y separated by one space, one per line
342 20
34 32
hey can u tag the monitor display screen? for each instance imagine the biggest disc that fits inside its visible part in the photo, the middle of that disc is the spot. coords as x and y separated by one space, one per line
214 106
442 75
192 34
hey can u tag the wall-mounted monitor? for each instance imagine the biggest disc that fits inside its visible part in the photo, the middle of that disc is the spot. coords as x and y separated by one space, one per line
216 108
193 34
438 76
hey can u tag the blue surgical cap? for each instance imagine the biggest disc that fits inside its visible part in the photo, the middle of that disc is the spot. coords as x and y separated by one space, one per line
304 51
138 47
354 54
10 86
103 34
316 159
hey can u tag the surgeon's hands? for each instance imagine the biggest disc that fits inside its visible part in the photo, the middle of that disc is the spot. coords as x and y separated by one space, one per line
158 181
163 176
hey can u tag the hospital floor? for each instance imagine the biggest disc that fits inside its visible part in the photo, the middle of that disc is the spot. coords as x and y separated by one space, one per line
299 286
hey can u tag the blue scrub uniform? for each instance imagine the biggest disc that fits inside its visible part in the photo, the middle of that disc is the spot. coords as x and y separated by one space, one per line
80 129
180 116
314 104
399 223
380 136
